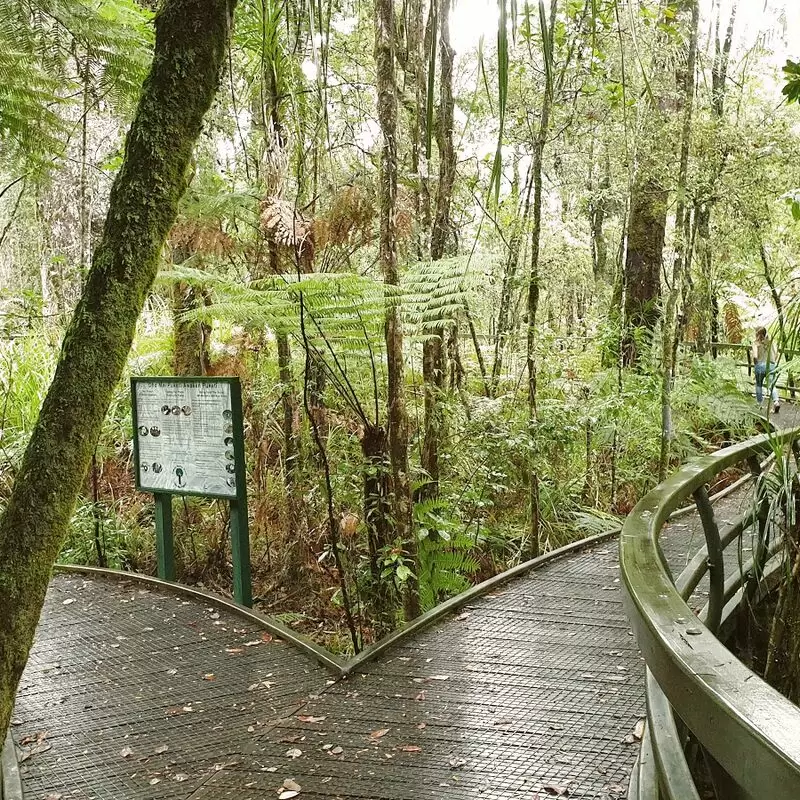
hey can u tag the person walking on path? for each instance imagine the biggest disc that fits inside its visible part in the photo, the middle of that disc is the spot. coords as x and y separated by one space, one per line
765 357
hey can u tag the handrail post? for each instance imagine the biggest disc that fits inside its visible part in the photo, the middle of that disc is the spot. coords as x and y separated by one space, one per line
716 565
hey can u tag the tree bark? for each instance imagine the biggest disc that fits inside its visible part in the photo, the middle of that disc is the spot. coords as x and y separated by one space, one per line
646 230
504 313
433 354
533 285
191 37
190 353
707 300
668 345
387 191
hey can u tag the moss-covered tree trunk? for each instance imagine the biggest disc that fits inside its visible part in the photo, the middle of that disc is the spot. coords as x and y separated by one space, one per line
191 37
682 250
386 86
646 230
191 348
537 170
433 348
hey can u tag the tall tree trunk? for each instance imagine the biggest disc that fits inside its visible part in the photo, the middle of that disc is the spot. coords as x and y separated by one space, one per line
413 64
598 206
83 182
387 192
433 360
646 230
374 447
504 313
648 215
668 346
533 281
707 301
190 351
191 38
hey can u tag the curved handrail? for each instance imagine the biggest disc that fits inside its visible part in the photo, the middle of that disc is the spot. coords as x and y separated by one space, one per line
750 729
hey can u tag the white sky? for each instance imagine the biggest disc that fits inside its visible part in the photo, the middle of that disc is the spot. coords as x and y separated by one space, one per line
475 18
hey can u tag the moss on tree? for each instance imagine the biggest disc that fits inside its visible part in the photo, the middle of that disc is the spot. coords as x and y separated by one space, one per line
191 37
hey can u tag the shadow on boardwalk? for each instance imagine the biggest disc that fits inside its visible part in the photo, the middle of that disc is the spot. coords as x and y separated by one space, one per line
529 692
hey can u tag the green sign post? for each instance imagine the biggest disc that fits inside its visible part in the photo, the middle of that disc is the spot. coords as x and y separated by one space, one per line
188 439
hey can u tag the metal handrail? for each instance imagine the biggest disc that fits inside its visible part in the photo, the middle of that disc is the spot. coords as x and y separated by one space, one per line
749 729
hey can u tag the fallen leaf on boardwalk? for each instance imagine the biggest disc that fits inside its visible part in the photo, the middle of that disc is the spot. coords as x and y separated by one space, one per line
292 739
456 763
410 748
269 769
162 748
378 734
337 750
266 637
308 718
438 677
287 795
294 752
34 751
54 797
68 602
225 765
253 643
172 671
291 785
187 709
638 731
556 791
38 738
420 696
260 685
421 726
180 777
209 676
461 617
154 781
234 650
126 752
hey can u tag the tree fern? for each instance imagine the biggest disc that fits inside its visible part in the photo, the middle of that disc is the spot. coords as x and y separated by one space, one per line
39 43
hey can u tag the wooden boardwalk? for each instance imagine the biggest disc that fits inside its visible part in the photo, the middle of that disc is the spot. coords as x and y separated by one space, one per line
136 692
532 691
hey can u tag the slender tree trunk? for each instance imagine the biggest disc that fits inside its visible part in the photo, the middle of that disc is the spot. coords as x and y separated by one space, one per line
377 473
191 38
83 183
599 244
504 315
533 285
783 336
190 353
681 253
191 338
433 351
707 301
387 191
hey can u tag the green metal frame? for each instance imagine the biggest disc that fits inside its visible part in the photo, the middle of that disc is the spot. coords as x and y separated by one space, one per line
240 533
748 729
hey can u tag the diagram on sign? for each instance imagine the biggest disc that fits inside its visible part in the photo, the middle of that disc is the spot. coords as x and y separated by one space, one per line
184 432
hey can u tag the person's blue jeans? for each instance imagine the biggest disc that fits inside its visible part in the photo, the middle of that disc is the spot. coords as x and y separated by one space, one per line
761 374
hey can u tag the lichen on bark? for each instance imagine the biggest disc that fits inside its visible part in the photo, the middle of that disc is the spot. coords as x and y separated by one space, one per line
191 37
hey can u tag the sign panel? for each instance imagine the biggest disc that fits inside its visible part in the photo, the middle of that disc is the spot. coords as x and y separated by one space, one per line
187 435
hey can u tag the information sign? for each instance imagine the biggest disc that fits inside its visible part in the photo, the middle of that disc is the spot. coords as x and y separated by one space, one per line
188 439
185 435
